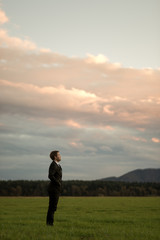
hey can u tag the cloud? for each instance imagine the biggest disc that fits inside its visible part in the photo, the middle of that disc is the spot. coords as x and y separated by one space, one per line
107 109
47 98
69 88
135 138
155 140
3 17
14 42
73 124
99 59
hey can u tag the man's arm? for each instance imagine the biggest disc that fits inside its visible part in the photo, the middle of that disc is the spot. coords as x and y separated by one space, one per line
52 170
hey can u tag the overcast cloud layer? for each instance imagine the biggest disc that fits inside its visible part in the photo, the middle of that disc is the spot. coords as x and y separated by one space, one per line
103 118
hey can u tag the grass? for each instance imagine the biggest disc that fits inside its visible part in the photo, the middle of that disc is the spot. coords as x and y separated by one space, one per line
81 218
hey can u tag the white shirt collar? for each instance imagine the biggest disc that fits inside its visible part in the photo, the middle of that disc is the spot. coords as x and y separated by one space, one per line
57 163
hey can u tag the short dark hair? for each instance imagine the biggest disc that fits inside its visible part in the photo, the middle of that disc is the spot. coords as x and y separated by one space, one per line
53 154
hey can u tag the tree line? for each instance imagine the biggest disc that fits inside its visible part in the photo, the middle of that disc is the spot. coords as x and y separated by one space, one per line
79 188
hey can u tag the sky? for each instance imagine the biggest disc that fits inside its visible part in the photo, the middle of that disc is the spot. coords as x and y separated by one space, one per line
81 77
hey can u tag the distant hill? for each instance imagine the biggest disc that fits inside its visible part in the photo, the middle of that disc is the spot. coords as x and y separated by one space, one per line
138 175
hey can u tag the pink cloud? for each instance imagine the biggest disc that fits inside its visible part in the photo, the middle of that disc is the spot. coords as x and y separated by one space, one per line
109 128
14 42
106 92
74 124
74 144
49 97
134 138
3 17
155 140
107 109
77 144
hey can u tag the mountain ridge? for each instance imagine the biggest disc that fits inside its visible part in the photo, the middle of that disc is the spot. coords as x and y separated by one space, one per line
137 175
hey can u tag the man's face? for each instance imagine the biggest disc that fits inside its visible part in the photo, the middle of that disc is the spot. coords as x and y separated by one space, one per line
58 158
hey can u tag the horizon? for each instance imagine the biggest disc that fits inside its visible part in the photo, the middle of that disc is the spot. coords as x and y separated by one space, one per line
141 169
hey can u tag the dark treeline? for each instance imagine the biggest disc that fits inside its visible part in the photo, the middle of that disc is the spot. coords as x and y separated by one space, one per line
80 188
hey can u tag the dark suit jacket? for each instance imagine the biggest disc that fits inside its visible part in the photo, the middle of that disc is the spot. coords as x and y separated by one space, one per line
55 175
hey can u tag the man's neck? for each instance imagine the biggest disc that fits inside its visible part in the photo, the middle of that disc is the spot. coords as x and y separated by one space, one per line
57 162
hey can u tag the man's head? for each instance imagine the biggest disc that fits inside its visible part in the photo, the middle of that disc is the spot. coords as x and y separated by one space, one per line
55 155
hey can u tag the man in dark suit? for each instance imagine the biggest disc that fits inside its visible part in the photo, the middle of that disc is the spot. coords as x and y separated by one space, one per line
54 189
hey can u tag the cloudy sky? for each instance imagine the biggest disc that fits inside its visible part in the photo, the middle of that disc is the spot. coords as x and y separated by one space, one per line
81 77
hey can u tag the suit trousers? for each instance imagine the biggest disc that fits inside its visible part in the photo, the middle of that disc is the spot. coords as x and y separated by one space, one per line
53 201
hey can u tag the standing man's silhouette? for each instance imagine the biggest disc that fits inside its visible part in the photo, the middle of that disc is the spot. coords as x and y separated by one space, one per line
54 189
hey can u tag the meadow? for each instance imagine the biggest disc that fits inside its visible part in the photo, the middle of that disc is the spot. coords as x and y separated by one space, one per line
81 218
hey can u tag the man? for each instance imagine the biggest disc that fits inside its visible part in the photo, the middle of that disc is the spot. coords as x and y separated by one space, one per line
54 189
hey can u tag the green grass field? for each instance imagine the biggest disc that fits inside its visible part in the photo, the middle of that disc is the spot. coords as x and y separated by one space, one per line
88 218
